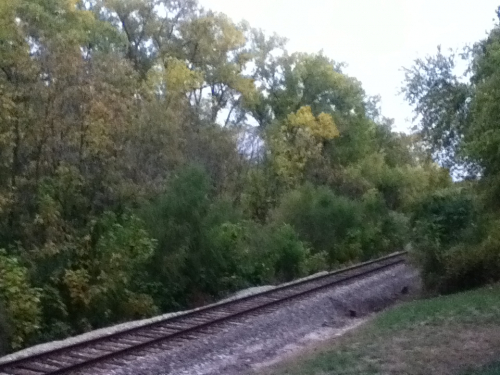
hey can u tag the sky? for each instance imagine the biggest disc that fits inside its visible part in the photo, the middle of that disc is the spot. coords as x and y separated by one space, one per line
376 38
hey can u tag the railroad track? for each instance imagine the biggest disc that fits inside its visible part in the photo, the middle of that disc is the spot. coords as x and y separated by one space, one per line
119 348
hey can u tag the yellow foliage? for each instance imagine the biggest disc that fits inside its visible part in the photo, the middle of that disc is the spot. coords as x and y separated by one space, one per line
246 87
77 283
6 16
300 140
10 36
179 78
322 127
216 34
173 79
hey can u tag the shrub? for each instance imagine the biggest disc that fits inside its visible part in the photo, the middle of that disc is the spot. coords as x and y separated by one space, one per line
5 331
445 216
449 241
472 265
258 254
103 283
345 229
220 267
316 262
174 219
322 219
200 238
21 313
289 251
241 254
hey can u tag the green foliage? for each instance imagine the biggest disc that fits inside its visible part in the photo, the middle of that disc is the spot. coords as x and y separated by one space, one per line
103 283
457 117
345 229
322 219
132 181
194 257
447 230
205 248
5 331
455 237
175 217
290 253
470 266
317 262
440 98
21 301
445 216
258 195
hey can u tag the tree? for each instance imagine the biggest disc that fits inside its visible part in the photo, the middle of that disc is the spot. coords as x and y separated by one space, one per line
441 104
299 140
106 105
482 138
458 116
294 81
458 121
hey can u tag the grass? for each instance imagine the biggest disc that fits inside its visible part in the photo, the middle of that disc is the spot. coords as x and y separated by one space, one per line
490 369
450 335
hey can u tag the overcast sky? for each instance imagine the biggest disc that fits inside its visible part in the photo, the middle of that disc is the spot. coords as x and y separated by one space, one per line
374 37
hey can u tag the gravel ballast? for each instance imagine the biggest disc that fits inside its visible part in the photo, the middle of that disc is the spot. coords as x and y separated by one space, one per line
255 341
53 345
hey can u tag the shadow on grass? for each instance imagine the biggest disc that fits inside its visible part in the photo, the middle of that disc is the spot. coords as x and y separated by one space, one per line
491 369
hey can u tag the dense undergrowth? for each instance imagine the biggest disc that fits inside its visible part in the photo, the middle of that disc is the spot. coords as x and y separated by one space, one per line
155 160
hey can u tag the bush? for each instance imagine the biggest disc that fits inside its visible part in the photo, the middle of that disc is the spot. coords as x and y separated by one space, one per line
322 219
345 229
471 265
290 253
452 243
99 276
445 217
240 254
258 258
382 230
198 257
23 315
219 262
5 331
175 220
316 263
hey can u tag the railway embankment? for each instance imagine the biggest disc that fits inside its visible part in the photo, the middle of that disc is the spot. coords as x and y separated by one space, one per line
265 328
449 335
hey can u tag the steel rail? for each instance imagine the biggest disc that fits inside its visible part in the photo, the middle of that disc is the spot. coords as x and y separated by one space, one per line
18 363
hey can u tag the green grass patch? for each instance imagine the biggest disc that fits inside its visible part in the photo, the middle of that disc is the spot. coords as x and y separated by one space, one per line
490 369
477 306
456 334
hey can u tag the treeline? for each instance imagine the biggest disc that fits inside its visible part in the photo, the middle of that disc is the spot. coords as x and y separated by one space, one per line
155 155
458 229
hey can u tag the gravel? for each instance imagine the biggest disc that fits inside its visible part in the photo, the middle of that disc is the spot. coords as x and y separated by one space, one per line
42 348
256 341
